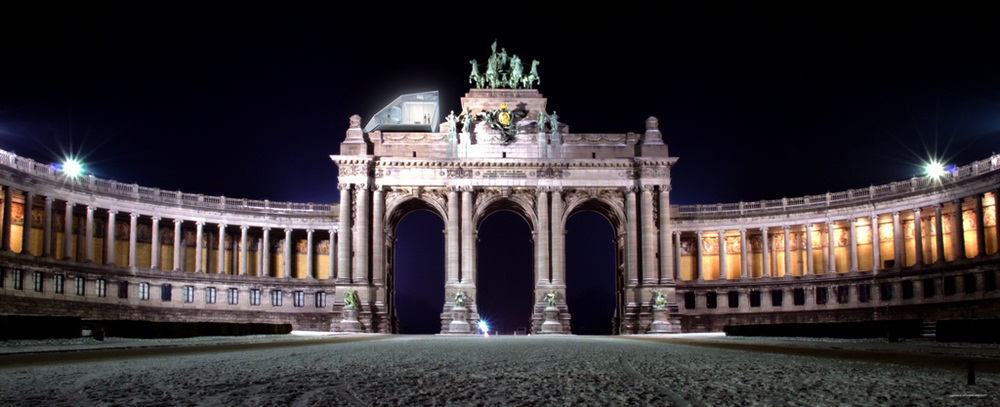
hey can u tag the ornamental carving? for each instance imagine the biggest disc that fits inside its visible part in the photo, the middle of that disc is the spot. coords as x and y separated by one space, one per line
549 172
353 169
457 173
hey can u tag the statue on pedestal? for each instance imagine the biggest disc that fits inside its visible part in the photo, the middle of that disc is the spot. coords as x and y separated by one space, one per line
350 299
659 299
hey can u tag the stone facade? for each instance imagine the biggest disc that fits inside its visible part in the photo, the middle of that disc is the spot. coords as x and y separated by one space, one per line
919 249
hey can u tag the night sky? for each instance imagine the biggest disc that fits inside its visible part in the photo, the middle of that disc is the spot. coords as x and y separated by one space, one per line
249 99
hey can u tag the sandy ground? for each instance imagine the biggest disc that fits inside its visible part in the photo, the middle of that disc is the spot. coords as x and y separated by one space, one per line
435 370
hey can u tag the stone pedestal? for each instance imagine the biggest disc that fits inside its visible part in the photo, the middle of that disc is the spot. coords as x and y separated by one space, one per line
350 321
459 321
551 324
660 323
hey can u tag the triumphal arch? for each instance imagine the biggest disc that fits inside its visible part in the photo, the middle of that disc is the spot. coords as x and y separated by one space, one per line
504 151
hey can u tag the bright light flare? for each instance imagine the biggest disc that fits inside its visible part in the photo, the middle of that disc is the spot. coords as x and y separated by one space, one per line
72 168
484 328
934 169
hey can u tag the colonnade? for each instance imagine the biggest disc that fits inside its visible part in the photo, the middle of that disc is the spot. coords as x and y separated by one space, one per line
78 242
950 230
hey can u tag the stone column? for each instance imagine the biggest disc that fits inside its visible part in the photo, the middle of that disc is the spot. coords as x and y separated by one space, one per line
807 230
47 228
918 239
631 243
897 241
699 270
743 253
451 236
665 236
88 255
980 226
287 269
648 238
996 215
220 257
958 231
722 255
542 238
132 238
558 239
198 265
468 239
361 237
939 234
265 250
26 229
378 236
677 256
876 245
765 253
68 232
177 245
109 238
244 250
788 251
853 242
8 198
310 270
344 236
154 252
331 269
831 235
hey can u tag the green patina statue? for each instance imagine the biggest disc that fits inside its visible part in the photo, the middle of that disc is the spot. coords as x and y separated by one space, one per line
503 71
550 298
460 298
350 299
659 299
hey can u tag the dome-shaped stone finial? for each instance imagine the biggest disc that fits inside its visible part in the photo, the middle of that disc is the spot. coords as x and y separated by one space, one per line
652 123
355 121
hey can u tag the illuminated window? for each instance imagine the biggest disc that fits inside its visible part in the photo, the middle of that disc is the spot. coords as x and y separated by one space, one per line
299 299
81 289
254 296
59 284
188 293
321 300
102 288
144 291
233 297
210 295
37 279
275 298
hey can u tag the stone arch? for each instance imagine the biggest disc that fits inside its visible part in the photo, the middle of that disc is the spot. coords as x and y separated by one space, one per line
492 200
399 203
609 204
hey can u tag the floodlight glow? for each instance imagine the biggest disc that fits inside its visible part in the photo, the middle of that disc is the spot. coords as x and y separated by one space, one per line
483 327
72 168
934 169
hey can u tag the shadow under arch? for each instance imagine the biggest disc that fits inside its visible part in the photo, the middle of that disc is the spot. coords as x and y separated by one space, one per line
505 271
415 271
610 208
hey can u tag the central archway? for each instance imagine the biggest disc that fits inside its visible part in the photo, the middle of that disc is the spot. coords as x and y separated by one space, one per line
591 278
505 274
418 273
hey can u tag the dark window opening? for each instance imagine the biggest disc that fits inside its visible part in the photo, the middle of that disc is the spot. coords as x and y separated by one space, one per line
989 281
754 298
711 300
928 288
776 298
799 296
970 283
734 299
822 294
885 291
907 288
843 294
166 292
949 285
123 289
864 292
688 300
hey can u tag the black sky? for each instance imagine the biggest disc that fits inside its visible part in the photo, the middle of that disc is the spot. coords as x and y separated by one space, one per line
248 99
